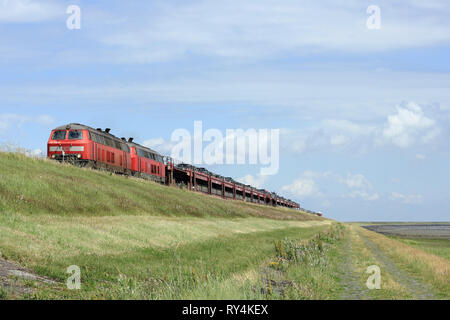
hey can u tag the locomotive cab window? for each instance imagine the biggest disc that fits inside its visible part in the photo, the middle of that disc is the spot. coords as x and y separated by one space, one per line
75 135
59 135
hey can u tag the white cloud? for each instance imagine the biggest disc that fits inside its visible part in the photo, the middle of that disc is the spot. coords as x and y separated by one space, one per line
11 120
348 127
408 199
420 156
339 139
160 145
364 195
410 125
331 135
24 11
252 29
260 28
36 153
255 181
356 181
358 185
317 175
303 187
151 143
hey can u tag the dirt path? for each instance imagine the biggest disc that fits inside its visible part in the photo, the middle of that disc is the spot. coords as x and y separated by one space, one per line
354 290
11 275
418 289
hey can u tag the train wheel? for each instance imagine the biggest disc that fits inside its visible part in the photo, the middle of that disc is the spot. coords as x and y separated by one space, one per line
89 165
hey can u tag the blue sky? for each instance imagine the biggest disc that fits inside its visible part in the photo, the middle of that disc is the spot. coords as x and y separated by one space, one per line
363 114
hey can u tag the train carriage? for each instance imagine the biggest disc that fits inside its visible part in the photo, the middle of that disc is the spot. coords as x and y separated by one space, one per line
147 163
89 147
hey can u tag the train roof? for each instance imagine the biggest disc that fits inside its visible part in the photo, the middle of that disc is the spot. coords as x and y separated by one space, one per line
77 126
134 144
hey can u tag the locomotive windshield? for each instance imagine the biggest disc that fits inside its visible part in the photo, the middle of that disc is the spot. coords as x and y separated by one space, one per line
59 135
76 135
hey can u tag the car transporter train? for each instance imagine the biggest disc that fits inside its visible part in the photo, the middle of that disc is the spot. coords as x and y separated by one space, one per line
99 149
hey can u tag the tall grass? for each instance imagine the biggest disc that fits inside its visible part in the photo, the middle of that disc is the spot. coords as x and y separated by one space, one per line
305 269
436 246
135 239
206 269
433 269
37 186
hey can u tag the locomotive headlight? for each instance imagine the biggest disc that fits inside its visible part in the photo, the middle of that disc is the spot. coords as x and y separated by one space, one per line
53 156
79 156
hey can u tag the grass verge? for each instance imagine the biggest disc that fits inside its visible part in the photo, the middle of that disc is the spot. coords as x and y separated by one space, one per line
39 186
426 267
439 247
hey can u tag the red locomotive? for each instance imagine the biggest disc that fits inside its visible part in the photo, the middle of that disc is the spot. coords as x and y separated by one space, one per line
89 147
98 149
147 163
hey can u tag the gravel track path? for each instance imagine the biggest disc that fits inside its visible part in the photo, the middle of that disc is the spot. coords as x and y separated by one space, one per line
418 289
9 271
354 290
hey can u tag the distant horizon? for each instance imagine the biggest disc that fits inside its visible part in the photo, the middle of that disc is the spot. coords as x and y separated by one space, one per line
397 221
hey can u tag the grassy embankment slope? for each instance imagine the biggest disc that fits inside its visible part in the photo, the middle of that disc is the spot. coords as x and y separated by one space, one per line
160 242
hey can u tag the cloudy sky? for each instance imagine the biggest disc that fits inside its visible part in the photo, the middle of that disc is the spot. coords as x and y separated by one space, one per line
363 113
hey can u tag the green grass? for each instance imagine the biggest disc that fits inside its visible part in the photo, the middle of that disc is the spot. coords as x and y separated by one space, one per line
3 293
195 270
440 247
306 269
420 264
39 186
134 238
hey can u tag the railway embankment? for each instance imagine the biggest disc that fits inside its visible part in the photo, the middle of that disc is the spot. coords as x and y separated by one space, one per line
130 238
37 186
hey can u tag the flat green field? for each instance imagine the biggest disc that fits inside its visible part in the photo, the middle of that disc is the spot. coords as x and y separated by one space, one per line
154 257
440 247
